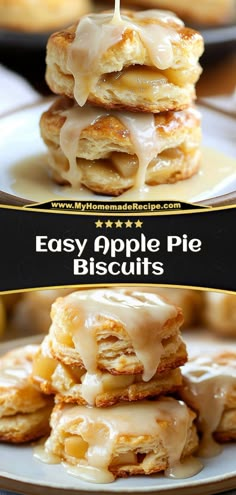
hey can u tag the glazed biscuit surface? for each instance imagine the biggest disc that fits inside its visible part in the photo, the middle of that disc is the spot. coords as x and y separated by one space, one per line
127 444
107 151
107 330
125 69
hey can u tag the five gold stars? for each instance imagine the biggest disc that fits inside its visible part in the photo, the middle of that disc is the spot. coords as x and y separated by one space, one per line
118 224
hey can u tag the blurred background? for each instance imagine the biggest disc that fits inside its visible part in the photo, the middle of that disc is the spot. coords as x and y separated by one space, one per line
25 27
212 314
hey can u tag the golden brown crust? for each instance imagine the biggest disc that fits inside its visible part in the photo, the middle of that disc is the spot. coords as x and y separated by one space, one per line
140 391
131 51
40 15
108 133
22 428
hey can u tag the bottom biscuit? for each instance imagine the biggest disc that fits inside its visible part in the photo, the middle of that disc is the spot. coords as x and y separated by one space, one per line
128 439
107 155
104 176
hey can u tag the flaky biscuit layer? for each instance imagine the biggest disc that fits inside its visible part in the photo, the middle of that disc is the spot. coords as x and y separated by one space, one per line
72 385
174 91
149 451
105 151
115 350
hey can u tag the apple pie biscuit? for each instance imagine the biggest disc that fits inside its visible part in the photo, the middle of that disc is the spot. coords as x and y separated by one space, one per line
121 332
127 444
109 152
147 62
24 410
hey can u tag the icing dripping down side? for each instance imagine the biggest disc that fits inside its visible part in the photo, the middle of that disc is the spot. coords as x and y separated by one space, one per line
97 33
136 311
92 449
141 128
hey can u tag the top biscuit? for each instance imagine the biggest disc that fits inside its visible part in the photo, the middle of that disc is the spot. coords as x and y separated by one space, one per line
146 62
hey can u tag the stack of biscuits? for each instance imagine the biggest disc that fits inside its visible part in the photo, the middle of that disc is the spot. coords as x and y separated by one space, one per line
125 118
107 353
113 380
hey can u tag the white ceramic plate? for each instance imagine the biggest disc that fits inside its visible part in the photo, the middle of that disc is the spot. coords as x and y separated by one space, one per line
19 470
20 141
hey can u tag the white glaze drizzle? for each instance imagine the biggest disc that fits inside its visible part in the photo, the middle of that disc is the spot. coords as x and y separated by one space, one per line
142 315
100 429
97 33
141 128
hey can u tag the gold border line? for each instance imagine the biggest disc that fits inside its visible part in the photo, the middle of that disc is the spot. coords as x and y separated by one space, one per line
201 209
125 285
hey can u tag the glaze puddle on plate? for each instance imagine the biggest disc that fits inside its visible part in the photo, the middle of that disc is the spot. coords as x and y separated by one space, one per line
31 180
